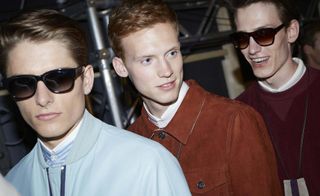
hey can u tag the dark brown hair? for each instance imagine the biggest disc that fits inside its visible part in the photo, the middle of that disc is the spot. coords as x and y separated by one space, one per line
286 8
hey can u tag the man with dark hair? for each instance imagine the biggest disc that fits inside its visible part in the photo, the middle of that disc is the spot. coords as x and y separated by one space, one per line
310 43
44 59
286 92
222 145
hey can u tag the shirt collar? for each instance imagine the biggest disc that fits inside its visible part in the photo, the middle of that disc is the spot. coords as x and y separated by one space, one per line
166 117
184 121
57 156
301 69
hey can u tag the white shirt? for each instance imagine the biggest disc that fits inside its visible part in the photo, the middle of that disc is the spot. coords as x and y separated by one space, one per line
301 69
57 155
166 117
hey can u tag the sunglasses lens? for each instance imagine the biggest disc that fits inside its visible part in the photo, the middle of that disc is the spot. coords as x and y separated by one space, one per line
264 37
60 81
240 40
22 87
57 81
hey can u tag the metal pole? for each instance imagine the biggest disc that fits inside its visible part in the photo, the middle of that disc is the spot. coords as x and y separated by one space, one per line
105 61
206 18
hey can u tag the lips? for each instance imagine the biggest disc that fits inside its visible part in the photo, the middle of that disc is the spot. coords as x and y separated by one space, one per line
259 60
167 86
47 116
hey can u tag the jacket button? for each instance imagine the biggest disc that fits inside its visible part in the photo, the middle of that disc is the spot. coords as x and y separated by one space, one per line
162 135
201 184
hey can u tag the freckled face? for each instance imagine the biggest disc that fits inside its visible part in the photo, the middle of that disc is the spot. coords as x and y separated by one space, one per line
153 62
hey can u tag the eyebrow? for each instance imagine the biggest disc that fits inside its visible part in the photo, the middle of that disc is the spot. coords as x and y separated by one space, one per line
258 28
175 47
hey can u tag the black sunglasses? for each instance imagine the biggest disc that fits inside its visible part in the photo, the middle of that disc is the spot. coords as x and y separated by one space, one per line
264 37
57 81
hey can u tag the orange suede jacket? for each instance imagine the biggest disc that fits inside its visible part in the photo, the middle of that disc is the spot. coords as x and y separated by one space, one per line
222 145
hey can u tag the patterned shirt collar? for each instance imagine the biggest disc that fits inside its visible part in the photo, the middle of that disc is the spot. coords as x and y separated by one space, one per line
57 156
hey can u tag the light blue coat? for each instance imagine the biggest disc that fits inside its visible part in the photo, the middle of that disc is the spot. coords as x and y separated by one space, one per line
104 160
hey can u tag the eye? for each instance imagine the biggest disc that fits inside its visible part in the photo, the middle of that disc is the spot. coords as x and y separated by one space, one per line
146 61
173 53
264 32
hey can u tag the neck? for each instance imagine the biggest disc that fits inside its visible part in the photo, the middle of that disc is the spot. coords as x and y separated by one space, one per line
156 109
282 76
52 142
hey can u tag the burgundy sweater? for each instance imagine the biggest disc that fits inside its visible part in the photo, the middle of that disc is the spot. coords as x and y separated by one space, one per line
284 115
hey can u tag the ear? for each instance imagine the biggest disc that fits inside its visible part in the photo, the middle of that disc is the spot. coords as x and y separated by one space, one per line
88 79
119 67
293 31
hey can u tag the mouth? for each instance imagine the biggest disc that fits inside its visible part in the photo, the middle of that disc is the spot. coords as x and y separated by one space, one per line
47 116
259 60
168 85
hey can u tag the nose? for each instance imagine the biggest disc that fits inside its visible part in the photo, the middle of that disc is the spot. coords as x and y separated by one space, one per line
254 47
165 69
43 96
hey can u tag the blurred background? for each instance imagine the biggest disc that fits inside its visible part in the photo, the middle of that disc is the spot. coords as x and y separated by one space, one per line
209 58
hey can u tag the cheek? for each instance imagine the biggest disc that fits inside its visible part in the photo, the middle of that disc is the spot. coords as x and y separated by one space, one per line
179 69
244 52
179 63
142 75
75 98
25 108
282 50
139 81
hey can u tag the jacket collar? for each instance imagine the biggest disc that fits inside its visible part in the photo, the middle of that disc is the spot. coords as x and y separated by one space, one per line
87 136
185 119
169 113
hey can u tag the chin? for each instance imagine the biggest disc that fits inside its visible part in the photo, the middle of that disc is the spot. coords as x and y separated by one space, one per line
53 137
262 74
170 101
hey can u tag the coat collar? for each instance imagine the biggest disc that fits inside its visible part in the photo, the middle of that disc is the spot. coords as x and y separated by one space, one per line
83 143
185 119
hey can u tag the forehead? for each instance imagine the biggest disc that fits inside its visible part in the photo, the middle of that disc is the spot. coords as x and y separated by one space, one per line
29 57
257 15
154 39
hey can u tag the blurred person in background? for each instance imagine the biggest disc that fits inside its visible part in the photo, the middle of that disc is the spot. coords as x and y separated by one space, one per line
310 43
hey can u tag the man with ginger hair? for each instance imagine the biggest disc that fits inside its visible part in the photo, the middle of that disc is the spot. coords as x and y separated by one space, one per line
222 145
